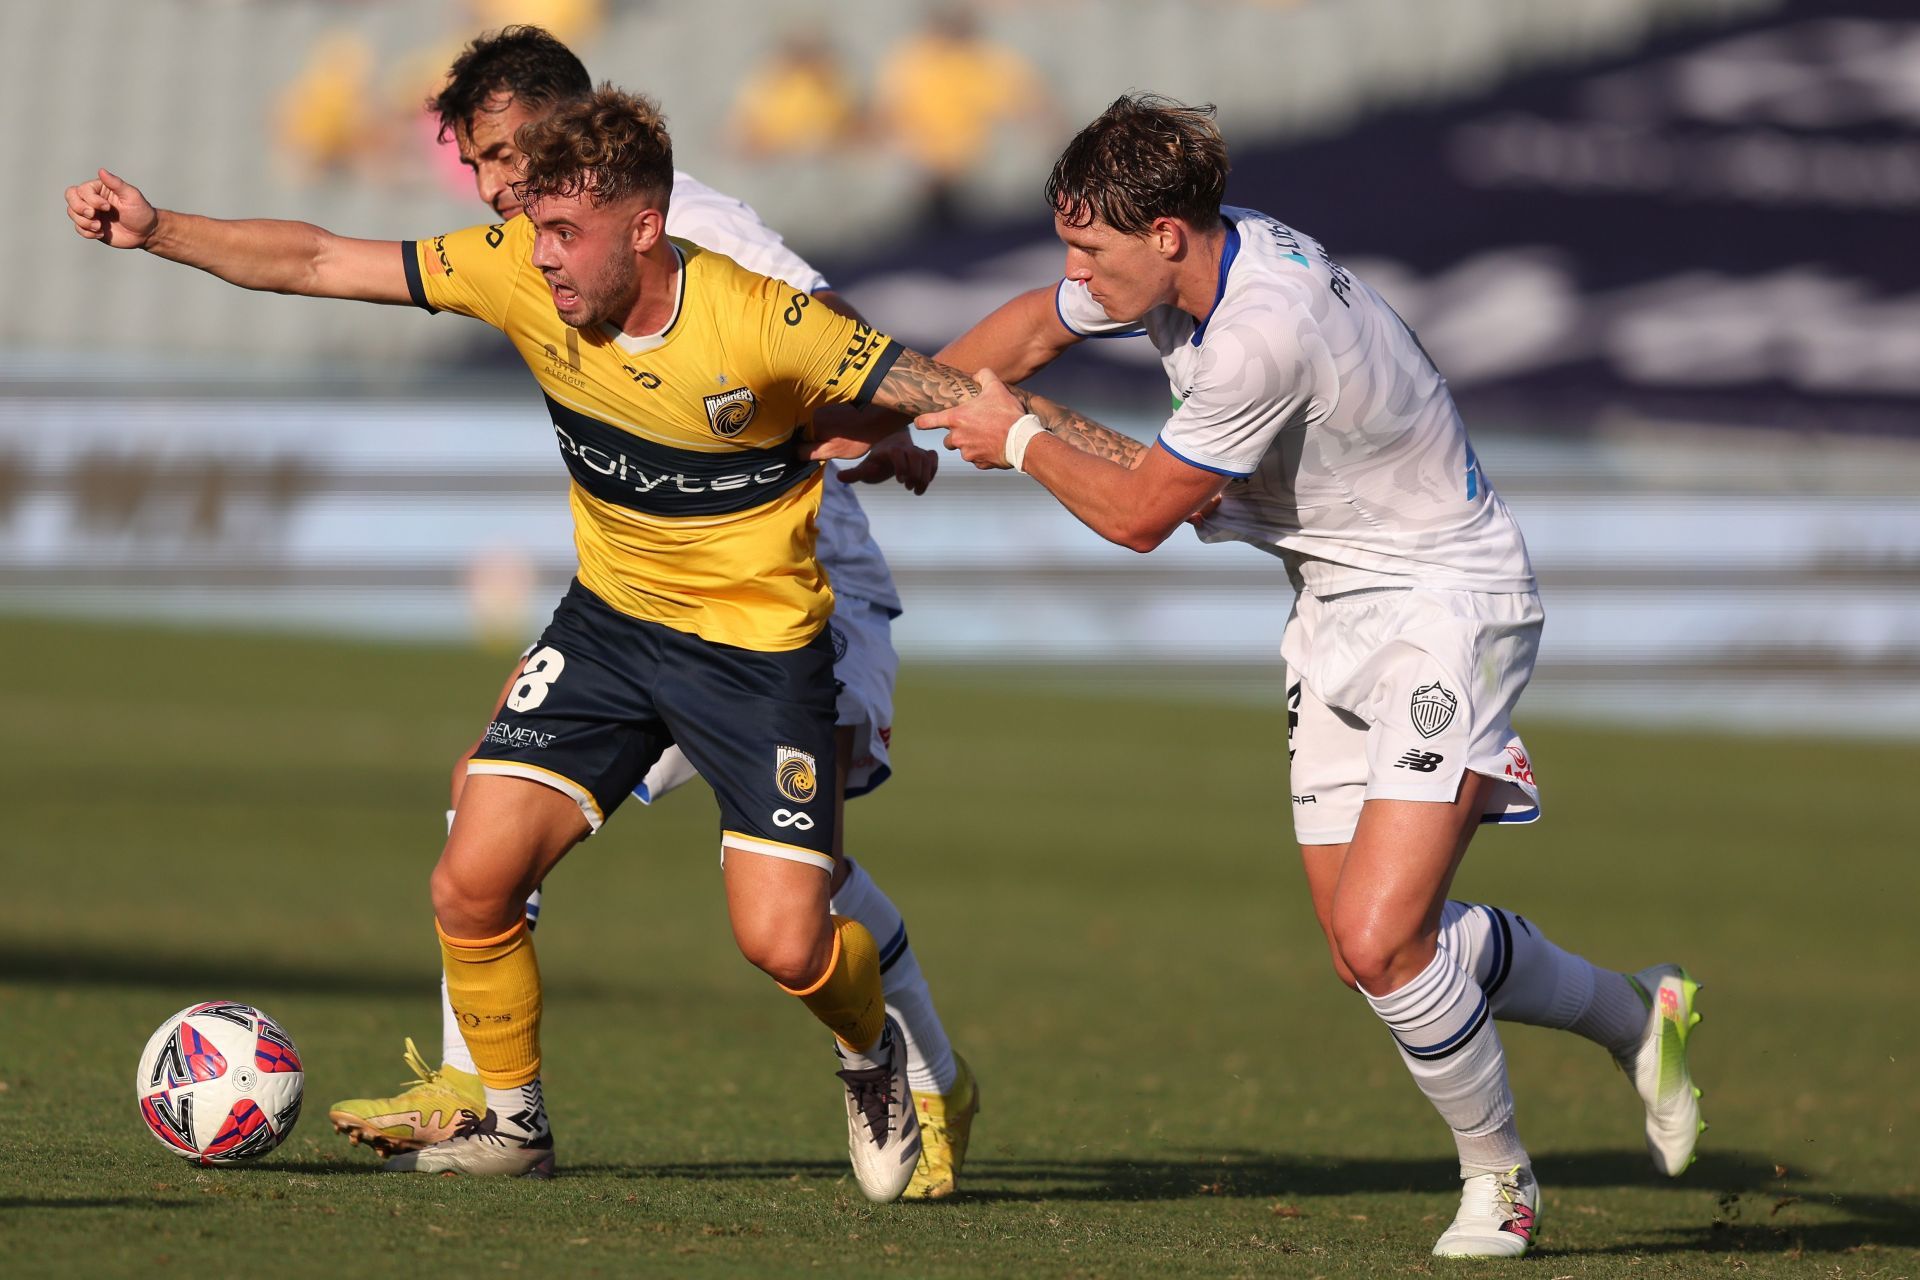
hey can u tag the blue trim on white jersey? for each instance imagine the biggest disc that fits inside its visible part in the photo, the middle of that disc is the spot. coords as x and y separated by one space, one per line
1227 255
1139 331
1504 819
1218 471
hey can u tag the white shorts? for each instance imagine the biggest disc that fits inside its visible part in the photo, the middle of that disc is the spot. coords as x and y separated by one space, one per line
1396 693
864 667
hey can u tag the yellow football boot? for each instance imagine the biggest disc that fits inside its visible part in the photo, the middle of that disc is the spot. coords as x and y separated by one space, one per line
946 1122
427 1110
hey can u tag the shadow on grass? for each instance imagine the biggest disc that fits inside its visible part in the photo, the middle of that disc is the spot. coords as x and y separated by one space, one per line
88 1202
1757 1212
1246 1174
1774 1220
41 964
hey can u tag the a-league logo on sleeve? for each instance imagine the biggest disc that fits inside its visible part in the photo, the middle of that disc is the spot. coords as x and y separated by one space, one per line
1433 709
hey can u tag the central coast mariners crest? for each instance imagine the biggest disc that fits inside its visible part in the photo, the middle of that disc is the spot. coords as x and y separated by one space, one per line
729 412
793 774
1433 709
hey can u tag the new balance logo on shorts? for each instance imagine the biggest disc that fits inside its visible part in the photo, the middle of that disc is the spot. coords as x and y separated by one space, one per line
1420 761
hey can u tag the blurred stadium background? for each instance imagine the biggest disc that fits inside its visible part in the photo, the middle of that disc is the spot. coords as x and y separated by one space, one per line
1662 248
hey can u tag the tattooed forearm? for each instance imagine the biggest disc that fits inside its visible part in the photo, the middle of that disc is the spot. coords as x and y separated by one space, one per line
1083 433
917 385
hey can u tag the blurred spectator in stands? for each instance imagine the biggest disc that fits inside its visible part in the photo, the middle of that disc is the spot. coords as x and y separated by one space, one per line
800 102
570 21
942 95
321 120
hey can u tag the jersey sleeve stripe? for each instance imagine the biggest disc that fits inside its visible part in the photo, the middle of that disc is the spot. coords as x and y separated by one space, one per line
416 287
1136 332
1204 466
877 373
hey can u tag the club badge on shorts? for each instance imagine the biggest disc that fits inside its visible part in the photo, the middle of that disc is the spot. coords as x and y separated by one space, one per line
729 412
1433 709
793 774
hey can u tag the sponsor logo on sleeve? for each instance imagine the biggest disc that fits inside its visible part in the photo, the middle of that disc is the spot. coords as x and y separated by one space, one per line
858 353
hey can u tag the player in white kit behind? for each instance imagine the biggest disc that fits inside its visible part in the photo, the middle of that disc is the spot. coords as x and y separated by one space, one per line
1311 412
500 82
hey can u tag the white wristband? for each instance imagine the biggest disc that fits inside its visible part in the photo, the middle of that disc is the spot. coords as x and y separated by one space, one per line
1019 436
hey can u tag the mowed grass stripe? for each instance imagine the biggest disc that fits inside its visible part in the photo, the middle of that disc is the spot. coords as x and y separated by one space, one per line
1101 889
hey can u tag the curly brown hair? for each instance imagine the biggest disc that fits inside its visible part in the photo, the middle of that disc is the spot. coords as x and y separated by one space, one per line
611 145
1146 157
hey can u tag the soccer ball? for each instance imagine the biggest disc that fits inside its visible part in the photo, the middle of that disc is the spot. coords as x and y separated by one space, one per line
219 1082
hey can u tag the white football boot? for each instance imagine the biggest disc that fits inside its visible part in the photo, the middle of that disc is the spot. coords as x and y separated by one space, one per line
1499 1214
482 1148
1659 1068
883 1134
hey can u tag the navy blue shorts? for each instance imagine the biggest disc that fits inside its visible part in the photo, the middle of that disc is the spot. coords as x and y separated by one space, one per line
603 694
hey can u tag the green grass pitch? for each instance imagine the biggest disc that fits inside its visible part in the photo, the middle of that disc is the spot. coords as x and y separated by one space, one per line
1100 888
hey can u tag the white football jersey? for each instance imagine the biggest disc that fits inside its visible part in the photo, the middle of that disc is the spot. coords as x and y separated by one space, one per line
697 212
1348 457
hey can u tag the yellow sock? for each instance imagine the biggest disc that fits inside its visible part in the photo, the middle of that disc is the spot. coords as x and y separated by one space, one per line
494 987
847 996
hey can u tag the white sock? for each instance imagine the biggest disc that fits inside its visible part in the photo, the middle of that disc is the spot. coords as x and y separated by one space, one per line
930 1066
453 1045
1528 979
1447 1038
520 1112
876 1054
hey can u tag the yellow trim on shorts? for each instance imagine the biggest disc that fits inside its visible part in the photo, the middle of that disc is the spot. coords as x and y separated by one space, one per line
546 777
773 849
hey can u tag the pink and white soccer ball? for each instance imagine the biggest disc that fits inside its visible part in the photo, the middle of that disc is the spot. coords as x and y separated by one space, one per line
220 1082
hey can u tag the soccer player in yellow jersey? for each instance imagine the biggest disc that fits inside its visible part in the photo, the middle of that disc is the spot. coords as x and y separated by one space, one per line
500 82
677 382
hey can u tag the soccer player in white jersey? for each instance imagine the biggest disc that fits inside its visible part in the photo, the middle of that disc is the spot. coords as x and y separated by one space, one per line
498 83
1310 412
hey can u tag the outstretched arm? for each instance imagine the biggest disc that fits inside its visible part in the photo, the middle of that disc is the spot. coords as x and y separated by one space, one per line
1020 338
281 257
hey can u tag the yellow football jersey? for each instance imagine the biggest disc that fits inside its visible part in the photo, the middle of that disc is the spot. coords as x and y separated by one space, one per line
692 505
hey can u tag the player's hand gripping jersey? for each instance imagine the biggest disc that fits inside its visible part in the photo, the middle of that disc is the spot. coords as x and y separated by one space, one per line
1355 467
693 507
